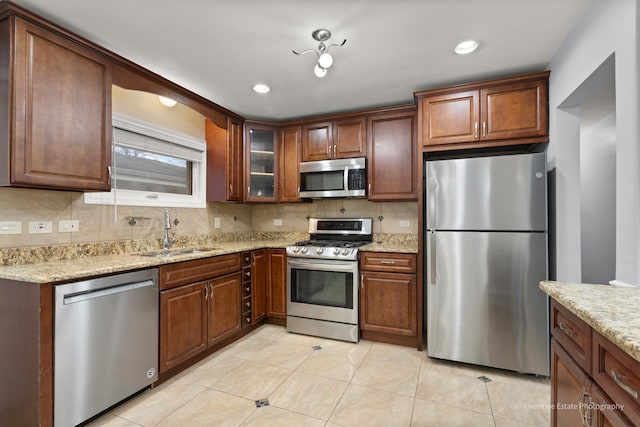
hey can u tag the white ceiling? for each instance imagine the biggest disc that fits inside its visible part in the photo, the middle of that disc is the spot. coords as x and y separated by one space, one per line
220 48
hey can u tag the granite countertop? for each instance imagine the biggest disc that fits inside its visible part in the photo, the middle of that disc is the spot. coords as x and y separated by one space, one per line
72 269
96 264
612 311
410 247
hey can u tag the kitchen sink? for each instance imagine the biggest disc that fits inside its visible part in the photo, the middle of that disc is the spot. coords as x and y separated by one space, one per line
163 253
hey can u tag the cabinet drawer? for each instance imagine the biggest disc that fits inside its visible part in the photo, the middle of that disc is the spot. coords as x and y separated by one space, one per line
618 375
573 334
384 261
181 273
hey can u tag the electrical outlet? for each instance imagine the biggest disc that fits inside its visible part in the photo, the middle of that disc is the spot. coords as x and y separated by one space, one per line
216 222
404 223
40 227
68 226
10 227
277 222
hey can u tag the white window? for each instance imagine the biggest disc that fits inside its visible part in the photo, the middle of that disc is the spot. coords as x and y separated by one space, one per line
152 166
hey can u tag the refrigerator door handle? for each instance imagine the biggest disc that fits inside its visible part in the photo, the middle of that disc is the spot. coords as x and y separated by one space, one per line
432 190
431 263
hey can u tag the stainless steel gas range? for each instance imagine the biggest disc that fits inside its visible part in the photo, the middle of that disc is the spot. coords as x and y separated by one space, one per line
323 279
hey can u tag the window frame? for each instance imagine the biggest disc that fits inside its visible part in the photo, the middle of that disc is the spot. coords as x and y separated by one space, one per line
151 198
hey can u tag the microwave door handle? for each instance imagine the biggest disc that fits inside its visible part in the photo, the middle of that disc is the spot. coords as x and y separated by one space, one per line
346 179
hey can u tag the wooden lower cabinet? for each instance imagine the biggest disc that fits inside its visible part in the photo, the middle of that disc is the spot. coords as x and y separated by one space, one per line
388 298
224 312
601 393
276 296
196 316
183 324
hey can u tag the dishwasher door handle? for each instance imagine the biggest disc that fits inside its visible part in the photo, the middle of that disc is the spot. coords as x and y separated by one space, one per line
87 295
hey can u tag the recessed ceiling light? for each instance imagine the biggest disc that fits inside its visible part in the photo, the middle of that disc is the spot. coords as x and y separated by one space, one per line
261 88
465 47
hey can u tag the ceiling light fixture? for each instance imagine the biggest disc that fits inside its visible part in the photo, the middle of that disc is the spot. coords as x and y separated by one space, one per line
466 47
167 102
325 60
261 88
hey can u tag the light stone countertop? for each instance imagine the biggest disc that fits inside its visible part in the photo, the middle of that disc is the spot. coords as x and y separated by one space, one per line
612 311
400 247
79 268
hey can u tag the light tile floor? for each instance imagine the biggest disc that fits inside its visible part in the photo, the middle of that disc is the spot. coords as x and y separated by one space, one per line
341 384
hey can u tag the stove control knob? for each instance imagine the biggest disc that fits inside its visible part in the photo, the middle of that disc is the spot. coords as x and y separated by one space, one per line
319 250
336 251
345 251
304 250
296 250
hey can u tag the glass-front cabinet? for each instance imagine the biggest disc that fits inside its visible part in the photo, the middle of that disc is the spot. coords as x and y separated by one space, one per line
261 156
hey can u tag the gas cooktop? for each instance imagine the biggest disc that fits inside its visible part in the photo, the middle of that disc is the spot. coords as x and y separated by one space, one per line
333 238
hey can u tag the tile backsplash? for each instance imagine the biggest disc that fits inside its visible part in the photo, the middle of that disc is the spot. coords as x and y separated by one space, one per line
100 223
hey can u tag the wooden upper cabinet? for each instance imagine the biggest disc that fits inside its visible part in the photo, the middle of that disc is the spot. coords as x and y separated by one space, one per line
317 141
451 118
338 139
289 168
349 138
498 112
224 161
261 167
514 111
393 157
57 108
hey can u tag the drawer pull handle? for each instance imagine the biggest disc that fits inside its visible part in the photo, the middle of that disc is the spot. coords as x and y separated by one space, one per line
583 404
384 261
567 330
622 385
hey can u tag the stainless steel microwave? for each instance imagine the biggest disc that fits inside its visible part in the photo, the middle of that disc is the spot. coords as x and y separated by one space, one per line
333 178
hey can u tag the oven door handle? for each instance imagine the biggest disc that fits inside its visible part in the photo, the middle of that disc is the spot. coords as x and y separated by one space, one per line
349 266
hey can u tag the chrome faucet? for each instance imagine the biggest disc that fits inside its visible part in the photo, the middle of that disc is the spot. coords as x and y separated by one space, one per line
167 242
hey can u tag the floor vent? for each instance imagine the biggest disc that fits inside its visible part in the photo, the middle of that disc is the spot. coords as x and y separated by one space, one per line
262 402
484 379
316 347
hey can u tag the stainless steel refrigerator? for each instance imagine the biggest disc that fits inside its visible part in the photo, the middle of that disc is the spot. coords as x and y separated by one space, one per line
486 252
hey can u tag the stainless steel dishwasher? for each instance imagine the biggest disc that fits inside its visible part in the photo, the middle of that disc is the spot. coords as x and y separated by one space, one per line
106 343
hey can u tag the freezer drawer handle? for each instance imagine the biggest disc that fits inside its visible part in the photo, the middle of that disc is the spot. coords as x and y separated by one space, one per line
632 392
73 298
567 330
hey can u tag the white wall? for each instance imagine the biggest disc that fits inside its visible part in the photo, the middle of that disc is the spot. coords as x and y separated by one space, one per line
598 198
609 27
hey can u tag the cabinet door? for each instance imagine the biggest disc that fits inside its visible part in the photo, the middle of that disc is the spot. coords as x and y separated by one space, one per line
61 135
349 138
607 414
258 279
277 284
290 156
225 295
388 303
262 165
514 111
570 388
234 160
183 324
393 157
451 118
317 141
